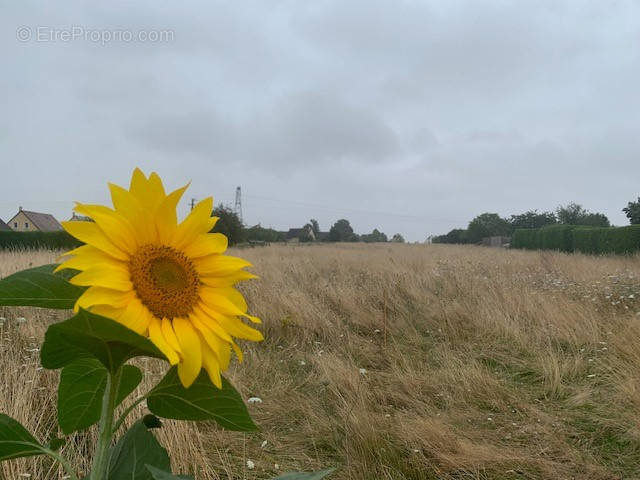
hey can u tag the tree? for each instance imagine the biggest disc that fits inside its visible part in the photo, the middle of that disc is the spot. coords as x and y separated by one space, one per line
487 225
341 231
315 227
397 238
571 214
532 219
574 214
457 235
373 237
228 224
257 232
632 211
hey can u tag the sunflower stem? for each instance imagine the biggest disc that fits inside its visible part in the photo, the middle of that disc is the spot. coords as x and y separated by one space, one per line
100 466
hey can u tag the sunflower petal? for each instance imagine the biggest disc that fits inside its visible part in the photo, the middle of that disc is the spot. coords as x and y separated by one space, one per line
85 257
211 365
104 296
170 335
198 221
219 265
106 275
114 225
156 335
190 345
91 234
206 244
166 216
136 317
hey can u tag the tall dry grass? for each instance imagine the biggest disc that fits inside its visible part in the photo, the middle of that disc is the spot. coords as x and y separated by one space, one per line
478 364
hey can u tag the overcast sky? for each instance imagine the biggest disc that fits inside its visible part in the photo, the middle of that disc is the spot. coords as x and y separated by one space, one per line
406 116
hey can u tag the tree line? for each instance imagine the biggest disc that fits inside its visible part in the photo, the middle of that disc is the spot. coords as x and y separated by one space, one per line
341 231
493 225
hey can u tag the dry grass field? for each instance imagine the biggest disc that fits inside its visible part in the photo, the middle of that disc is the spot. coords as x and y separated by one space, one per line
400 362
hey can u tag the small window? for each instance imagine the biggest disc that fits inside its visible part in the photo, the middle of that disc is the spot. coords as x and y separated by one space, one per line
26 224
15 224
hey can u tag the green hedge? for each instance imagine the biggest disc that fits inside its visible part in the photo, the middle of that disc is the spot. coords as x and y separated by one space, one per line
50 240
570 238
607 240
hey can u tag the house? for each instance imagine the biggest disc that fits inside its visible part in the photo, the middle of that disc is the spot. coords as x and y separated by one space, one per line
27 221
295 234
4 227
79 218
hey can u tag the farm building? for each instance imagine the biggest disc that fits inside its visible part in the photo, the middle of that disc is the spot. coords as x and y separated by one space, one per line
79 218
3 226
27 221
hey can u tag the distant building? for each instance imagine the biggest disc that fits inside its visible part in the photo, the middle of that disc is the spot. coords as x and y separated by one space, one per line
4 227
27 221
79 218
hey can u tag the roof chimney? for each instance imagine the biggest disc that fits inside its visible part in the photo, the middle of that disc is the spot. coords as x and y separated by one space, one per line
20 208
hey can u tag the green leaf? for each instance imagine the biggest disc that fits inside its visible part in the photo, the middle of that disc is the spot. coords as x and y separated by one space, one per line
55 443
82 385
162 475
201 401
137 449
90 335
130 378
305 475
40 287
16 441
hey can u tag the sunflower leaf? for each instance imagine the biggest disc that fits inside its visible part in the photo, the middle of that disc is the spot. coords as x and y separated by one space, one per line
305 475
201 401
134 452
89 335
40 287
82 385
16 441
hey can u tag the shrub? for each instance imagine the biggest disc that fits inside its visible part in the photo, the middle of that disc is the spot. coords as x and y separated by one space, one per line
527 238
53 240
556 237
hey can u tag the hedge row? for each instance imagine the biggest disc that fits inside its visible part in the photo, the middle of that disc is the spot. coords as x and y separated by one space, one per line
574 238
50 240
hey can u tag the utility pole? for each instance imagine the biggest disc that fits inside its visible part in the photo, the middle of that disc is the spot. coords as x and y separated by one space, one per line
193 203
238 206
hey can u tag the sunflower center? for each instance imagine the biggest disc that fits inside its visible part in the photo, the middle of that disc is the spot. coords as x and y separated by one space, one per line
165 280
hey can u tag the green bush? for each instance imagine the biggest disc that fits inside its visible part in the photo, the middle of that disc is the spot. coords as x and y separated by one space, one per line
527 238
608 240
51 240
556 237
569 238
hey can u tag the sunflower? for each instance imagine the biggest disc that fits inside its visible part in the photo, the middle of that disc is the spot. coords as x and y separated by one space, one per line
165 280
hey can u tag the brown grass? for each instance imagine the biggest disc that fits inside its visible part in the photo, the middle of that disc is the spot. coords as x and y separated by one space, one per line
480 364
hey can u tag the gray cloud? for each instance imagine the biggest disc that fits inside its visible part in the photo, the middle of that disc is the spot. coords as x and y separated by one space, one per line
405 116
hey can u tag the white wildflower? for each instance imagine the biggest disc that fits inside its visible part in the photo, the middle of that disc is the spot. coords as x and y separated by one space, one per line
263 444
255 400
363 371
250 465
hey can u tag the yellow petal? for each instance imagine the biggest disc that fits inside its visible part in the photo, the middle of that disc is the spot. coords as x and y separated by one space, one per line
136 317
211 365
166 216
206 244
129 207
227 280
198 221
158 338
104 296
189 341
170 335
217 301
148 192
208 326
106 275
233 325
91 234
219 265
107 311
87 256
239 353
114 226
